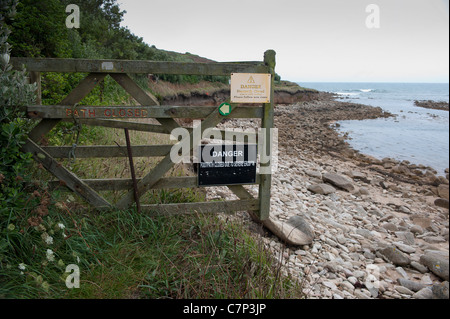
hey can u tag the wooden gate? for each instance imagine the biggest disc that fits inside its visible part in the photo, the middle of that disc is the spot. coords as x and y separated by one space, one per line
110 116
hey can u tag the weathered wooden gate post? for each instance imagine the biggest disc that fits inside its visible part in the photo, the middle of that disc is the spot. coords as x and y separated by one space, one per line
267 125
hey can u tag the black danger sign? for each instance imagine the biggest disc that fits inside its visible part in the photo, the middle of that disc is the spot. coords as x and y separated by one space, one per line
227 165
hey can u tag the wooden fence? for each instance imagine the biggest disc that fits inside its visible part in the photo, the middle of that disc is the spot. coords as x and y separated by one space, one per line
119 70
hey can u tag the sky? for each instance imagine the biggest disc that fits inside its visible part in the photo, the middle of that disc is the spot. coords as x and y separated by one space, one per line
315 40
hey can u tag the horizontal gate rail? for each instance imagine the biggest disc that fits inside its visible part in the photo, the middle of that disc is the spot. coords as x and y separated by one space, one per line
142 67
153 128
135 126
202 208
102 151
121 184
108 112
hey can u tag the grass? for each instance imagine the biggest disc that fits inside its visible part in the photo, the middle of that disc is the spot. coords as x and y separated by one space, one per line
125 255
198 257
164 89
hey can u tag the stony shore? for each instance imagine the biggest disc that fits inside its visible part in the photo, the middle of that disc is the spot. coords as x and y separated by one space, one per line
370 228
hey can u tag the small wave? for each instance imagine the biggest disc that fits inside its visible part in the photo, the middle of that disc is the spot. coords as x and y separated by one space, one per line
366 90
346 93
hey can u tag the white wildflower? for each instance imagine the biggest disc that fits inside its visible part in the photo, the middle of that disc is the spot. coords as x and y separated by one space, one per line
22 266
50 255
47 238
61 226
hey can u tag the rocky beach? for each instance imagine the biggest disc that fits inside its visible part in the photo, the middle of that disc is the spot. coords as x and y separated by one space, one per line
356 227
433 105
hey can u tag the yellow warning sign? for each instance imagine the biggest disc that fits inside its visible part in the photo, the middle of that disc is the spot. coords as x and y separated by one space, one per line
250 88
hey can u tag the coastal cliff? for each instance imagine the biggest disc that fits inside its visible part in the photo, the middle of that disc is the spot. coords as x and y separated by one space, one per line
215 93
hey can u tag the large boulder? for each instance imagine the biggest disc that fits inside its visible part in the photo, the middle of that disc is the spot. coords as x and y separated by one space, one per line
357 175
437 262
442 202
425 293
339 181
295 232
322 189
411 285
443 191
395 256
440 291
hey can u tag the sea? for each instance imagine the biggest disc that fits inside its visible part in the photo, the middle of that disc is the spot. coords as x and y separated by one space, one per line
415 134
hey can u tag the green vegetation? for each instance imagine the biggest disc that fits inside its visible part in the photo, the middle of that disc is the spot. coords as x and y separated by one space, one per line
39 30
179 257
19 203
121 254
166 90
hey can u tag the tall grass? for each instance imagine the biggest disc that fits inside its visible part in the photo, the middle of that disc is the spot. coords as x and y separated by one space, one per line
198 257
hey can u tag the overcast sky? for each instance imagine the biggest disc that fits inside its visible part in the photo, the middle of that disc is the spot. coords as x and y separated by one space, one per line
315 40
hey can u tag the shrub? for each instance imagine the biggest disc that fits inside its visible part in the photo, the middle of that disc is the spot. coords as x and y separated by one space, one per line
14 92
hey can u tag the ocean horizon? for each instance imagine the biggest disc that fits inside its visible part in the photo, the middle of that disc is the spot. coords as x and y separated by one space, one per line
415 134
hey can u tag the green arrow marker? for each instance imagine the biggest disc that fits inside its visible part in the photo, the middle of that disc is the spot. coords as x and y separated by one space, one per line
225 109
